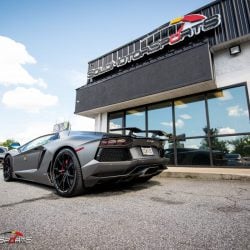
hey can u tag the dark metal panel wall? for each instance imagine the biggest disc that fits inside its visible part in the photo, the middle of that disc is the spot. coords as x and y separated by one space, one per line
189 67
235 19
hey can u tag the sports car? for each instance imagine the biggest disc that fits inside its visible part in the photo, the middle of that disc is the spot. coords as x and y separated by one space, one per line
73 161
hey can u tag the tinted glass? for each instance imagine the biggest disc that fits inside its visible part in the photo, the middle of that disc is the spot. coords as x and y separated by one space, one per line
116 121
136 118
228 111
190 116
39 142
160 117
236 150
193 152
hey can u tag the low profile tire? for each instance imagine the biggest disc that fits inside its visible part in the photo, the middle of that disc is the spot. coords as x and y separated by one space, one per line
7 169
66 174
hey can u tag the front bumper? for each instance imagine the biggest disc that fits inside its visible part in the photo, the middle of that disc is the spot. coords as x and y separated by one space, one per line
96 172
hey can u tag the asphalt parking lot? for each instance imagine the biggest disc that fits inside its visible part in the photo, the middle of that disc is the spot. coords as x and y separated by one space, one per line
161 214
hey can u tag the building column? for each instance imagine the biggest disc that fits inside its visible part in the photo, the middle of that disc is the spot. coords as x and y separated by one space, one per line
101 122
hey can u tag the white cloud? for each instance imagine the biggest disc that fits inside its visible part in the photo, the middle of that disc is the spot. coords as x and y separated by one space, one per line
236 111
226 96
167 124
28 99
114 126
13 56
186 116
178 124
226 130
41 83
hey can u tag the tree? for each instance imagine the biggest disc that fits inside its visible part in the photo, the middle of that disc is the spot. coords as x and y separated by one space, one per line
7 143
216 144
241 146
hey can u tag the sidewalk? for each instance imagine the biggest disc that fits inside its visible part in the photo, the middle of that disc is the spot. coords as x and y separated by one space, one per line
207 173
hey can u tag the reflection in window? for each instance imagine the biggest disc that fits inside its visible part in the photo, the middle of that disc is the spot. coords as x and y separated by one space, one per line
190 116
228 111
116 121
222 141
193 152
236 150
160 117
136 118
39 142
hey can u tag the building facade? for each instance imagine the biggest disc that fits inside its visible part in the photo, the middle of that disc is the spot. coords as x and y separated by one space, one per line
190 76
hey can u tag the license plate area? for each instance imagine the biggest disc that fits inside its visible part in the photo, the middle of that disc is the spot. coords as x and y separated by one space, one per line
147 151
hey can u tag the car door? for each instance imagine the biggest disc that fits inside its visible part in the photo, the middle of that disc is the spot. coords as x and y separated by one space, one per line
30 154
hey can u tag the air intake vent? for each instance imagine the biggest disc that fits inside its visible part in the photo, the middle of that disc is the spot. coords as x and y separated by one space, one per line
113 154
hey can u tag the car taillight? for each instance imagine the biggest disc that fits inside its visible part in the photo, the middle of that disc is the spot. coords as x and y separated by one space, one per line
114 142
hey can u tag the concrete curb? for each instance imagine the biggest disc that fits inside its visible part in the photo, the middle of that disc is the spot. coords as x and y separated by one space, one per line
204 176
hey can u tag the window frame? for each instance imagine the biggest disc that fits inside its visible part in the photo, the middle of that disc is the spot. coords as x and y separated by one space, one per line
146 106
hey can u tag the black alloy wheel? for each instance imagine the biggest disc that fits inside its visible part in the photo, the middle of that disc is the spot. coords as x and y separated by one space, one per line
66 174
7 169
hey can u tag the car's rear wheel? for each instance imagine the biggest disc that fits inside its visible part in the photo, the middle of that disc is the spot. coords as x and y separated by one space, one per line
7 169
66 174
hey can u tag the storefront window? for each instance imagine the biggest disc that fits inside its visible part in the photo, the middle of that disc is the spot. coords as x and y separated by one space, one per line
116 121
193 152
236 150
190 116
160 117
224 141
136 118
228 111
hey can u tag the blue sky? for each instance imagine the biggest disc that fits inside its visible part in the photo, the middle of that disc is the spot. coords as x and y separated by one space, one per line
45 46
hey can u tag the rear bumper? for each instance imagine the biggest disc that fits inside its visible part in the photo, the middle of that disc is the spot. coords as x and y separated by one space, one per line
96 172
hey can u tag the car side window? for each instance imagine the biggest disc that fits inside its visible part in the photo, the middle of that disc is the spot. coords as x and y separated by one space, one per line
39 142
1 150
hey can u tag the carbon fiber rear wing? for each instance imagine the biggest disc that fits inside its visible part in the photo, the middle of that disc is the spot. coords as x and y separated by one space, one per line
133 130
155 133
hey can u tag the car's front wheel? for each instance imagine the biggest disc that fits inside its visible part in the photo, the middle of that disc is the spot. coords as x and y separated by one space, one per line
7 169
66 174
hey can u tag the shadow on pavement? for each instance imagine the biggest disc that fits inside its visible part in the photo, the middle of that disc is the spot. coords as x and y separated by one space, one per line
109 189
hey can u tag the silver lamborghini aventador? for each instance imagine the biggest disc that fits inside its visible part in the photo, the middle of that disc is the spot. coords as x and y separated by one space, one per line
73 161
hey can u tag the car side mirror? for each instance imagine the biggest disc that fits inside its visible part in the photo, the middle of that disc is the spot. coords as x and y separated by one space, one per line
15 145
